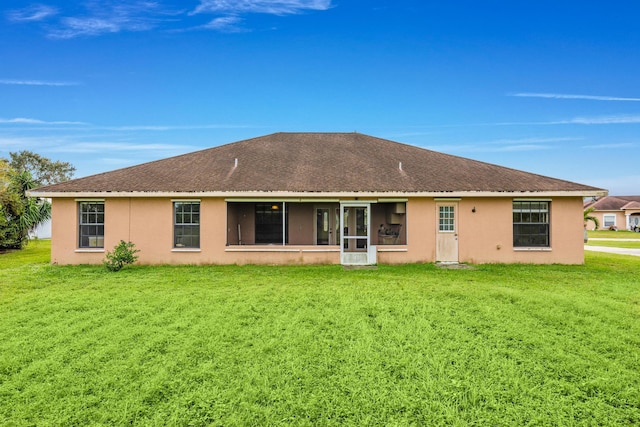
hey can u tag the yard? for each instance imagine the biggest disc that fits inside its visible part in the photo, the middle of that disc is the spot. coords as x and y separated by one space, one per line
319 345
615 239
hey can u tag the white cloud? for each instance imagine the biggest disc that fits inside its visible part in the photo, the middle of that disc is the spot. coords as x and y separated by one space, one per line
6 143
569 96
36 12
101 147
225 24
27 121
162 128
273 7
488 148
506 145
603 120
74 27
112 17
532 140
26 82
613 146
115 16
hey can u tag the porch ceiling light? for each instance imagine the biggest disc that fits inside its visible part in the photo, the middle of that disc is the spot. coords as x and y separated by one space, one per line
275 207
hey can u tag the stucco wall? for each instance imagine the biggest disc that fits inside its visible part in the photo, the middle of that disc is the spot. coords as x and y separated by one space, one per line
484 236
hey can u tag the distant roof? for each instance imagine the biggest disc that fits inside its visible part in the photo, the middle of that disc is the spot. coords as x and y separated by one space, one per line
317 163
615 203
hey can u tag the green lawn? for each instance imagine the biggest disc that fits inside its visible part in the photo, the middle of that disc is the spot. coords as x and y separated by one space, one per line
606 234
319 345
615 243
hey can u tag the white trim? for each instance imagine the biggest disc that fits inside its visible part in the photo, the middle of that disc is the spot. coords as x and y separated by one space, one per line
604 220
186 200
321 250
531 199
392 249
89 251
279 199
531 249
447 199
302 195
186 250
392 200
89 200
369 249
280 249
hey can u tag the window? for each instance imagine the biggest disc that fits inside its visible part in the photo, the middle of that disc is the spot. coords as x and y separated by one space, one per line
447 219
530 224
270 224
91 221
186 224
609 220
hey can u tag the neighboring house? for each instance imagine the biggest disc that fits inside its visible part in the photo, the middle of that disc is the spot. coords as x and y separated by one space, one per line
42 231
615 212
319 198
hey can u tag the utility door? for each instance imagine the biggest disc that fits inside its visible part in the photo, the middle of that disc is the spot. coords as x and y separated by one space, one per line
447 232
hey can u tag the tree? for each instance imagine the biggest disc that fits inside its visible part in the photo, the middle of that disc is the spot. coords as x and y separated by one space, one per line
18 212
43 170
588 217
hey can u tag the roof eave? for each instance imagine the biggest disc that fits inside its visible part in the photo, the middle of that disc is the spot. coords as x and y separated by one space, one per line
304 194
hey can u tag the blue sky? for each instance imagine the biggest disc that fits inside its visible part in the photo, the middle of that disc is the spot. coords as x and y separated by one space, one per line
547 87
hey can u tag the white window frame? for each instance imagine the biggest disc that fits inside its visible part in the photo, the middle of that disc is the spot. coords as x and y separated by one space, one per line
609 216
97 239
541 212
177 224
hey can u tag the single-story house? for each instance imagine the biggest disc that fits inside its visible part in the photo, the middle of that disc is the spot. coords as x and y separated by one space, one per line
615 212
342 198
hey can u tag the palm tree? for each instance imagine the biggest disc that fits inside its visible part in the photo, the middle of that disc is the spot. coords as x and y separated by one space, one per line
588 217
20 213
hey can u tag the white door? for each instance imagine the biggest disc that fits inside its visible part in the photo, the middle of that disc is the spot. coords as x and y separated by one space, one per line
355 247
447 232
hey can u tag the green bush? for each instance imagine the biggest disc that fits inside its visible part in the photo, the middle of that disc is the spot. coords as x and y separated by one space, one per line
123 253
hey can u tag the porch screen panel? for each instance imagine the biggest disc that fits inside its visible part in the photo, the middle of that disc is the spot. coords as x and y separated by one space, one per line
270 224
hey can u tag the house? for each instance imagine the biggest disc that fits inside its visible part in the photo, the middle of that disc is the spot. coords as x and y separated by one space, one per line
335 198
615 212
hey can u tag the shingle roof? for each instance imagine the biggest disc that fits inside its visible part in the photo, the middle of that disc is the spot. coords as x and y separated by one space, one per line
316 162
615 203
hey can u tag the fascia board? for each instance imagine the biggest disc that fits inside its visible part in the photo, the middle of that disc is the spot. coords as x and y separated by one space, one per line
271 195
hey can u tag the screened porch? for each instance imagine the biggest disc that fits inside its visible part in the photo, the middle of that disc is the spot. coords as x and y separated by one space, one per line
315 223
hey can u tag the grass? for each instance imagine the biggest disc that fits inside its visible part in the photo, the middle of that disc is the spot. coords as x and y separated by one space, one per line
607 234
317 345
615 243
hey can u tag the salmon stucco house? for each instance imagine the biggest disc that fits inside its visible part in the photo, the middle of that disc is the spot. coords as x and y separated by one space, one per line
335 198
615 212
